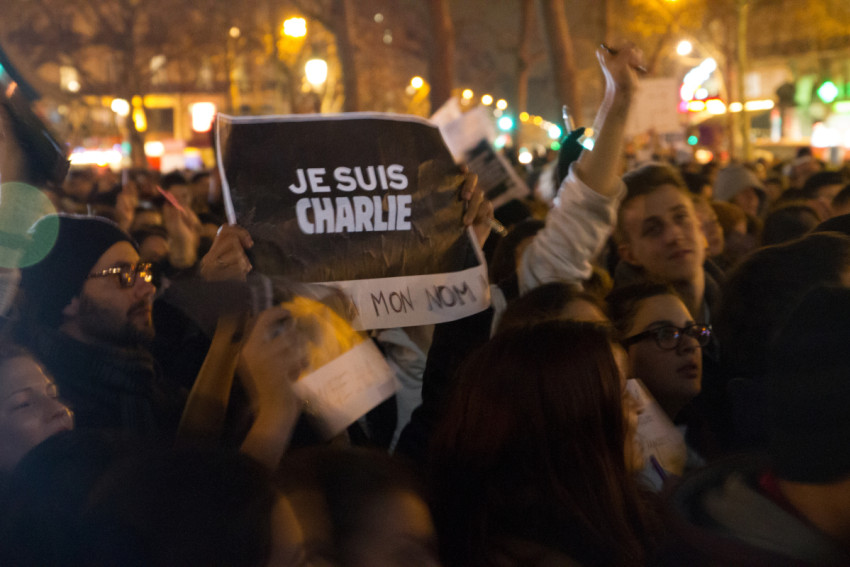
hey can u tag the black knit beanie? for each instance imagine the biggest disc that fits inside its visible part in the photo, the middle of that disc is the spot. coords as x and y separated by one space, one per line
51 283
808 390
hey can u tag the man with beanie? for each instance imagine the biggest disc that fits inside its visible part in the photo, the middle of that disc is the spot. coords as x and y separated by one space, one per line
739 185
791 506
86 315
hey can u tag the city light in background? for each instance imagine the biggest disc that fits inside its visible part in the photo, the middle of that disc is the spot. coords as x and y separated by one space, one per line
316 72
295 27
282 62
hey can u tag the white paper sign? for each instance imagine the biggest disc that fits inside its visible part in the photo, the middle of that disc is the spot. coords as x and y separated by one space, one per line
656 433
346 388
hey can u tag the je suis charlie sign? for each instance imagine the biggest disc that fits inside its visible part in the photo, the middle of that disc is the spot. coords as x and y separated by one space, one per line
365 202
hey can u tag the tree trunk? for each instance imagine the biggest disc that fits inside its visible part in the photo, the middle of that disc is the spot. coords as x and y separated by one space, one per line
441 64
743 11
523 62
563 61
345 51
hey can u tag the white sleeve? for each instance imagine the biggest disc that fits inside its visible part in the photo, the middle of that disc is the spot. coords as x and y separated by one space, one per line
575 232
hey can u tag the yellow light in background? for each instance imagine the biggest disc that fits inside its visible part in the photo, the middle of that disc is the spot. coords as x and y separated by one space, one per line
316 71
684 47
538 120
501 104
589 133
417 82
101 158
235 32
525 157
523 117
154 149
759 105
203 115
139 119
715 106
696 105
736 107
486 100
467 94
295 27
703 156
120 107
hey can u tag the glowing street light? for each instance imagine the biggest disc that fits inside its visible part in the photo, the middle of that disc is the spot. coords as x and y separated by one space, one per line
486 100
316 71
235 32
120 107
417 82
467 94
501 104
684 47
295 27
203 115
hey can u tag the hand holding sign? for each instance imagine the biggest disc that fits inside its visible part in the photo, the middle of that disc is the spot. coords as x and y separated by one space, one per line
477 210
367 203
272 359
226 259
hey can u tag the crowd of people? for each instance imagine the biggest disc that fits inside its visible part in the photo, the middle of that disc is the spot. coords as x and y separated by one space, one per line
661 379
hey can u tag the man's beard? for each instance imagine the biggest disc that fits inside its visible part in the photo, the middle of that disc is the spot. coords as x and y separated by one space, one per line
110 327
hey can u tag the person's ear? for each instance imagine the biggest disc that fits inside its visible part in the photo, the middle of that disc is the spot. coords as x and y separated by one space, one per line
626 254
72 309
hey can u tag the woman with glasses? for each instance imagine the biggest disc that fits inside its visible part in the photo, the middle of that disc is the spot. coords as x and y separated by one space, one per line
663 341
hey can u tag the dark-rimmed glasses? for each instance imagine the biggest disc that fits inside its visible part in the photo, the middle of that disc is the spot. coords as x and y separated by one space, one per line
668 337
127 273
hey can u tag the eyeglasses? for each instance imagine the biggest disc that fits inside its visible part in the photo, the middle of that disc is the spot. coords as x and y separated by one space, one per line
127 274
669 337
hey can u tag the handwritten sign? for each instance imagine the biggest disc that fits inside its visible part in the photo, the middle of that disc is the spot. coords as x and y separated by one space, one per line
341 391
656 433
365 202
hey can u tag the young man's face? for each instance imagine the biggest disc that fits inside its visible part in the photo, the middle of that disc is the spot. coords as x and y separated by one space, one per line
105 311
663 235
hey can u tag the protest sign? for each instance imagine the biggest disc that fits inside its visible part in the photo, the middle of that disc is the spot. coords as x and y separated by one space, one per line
659 438
365 202
470 136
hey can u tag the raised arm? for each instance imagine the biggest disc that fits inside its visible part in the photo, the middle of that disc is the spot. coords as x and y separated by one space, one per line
578 226
600 169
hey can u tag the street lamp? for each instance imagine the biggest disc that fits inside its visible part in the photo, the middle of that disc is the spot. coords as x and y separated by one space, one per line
120 107
486 100
295 27
316 72
684 47
417 82
501 104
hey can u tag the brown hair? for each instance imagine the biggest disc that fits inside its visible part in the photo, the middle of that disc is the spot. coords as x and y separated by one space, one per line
531 448
543 303
643 181
623 303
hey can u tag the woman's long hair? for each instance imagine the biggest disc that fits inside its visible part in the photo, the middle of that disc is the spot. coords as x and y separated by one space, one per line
532 449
